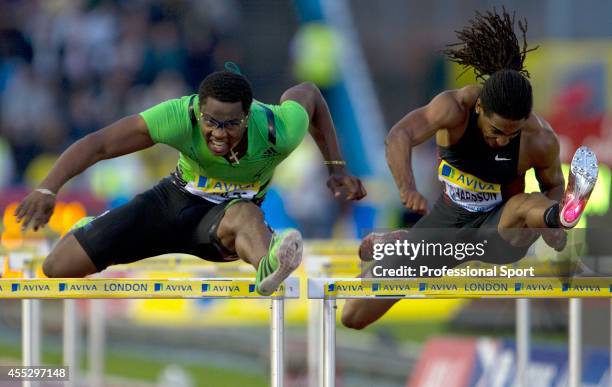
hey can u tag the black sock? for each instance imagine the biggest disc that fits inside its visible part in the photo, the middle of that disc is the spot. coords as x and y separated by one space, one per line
551 216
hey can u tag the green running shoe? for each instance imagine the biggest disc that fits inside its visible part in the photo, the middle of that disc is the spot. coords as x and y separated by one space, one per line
82 222
284 256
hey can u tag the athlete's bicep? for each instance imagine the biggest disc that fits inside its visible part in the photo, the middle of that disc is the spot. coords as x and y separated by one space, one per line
443 112
128 135
547 164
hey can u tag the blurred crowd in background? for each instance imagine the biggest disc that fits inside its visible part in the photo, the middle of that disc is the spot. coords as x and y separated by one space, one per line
71 67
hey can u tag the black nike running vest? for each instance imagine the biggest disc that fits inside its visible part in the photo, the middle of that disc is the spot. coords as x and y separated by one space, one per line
472 157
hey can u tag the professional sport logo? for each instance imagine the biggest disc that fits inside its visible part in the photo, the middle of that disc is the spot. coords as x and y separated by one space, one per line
469 191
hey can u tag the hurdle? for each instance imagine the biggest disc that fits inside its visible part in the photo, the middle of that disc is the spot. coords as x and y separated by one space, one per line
328 290
198 268
29 289
325 259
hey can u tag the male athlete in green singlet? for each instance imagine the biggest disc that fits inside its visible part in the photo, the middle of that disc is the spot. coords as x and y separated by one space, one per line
229 146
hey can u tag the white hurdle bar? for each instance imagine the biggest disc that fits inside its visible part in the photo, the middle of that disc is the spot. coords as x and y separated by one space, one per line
328 290
523 340
322 261
575 342
136 288
71 337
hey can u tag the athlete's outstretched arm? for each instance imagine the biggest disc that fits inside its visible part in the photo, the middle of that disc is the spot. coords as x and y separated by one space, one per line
443 112
322 129
125 136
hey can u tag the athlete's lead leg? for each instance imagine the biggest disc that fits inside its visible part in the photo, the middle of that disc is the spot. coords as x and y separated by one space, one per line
536 211
275 257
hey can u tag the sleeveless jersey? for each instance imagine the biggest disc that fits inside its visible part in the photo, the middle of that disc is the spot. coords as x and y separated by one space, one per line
475 174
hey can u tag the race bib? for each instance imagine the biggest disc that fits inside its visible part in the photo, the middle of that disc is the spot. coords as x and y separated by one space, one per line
468 191
217 191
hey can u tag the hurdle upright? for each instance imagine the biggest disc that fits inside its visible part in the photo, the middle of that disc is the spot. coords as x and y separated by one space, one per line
328 290
136 288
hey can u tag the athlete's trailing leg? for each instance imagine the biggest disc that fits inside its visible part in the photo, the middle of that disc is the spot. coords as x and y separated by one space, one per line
68 259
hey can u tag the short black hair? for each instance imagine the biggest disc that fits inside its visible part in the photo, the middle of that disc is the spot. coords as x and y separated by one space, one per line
490 47
227 86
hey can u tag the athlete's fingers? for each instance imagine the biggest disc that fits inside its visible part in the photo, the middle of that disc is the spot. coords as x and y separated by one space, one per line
416 203
343 187
339 190
333 185
17 212
20 211
361 191
335 191
24 208
27 218
422 206
34 213
38 222
410 199
40 219
351 183
412 205
356 190
408 202
416 207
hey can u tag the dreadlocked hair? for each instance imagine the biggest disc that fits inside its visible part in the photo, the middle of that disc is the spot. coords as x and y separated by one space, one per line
490 46
227 86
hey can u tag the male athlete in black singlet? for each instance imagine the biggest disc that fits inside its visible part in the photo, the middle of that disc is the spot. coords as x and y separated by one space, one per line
487 138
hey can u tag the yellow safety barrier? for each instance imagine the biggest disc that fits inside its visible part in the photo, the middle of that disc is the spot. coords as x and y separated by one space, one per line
139 288
461 288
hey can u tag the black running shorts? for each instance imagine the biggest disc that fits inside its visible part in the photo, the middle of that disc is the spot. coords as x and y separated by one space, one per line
447 223
164 219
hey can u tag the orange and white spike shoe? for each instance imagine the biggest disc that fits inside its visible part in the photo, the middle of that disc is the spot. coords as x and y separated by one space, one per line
582 179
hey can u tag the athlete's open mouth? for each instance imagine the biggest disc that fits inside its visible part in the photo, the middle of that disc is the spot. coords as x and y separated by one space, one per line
218 147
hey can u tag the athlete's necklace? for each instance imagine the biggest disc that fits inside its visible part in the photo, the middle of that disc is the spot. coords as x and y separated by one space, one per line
241 146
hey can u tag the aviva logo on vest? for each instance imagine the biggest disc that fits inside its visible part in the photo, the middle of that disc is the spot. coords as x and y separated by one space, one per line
211 185
458 178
